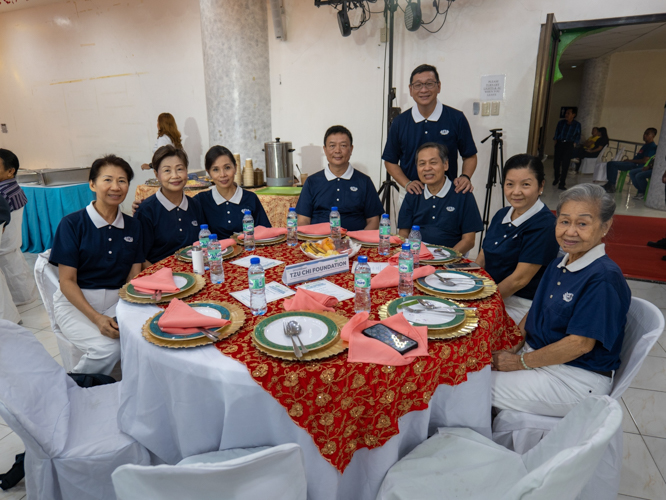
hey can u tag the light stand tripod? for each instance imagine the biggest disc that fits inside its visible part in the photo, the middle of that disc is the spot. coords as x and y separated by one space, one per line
495 175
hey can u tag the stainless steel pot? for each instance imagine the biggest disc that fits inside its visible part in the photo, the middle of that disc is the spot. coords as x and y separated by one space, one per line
279 163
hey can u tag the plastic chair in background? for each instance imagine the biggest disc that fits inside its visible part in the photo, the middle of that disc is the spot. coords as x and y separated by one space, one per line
622 177
600 168
588 164
71 435
252 474
519 431
459 463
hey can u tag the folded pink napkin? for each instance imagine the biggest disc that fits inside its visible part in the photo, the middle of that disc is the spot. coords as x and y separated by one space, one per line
263 233
181 319
161 281
424 253
364 349
389 276
227 243
317 229
307 300
370 236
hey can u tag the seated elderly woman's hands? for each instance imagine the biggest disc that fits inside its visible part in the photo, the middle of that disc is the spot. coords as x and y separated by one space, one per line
507 361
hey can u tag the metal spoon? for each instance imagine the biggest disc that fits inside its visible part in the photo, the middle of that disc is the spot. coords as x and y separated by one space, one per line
211 335
297 351
294 329
451 282
432 307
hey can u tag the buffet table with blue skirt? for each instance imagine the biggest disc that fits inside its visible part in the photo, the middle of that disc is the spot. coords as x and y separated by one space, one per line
45 209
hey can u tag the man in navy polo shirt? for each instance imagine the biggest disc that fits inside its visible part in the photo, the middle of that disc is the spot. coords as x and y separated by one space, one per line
647 151
429 121
339 185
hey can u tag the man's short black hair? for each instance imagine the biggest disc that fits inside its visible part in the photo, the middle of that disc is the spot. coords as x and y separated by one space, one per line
442 150
9 160
651 129
423 68
339 129
573 109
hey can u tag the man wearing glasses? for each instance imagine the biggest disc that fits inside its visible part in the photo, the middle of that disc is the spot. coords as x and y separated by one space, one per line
429 121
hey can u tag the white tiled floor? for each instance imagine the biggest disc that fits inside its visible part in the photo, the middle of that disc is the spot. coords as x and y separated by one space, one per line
644 425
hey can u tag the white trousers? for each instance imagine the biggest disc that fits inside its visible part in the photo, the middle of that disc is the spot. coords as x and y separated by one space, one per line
517 307
17 272
100 353
8 309
551 390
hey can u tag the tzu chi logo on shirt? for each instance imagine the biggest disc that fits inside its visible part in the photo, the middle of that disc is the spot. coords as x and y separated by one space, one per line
567 297
444 132
353 188
129 239
450 209
195 223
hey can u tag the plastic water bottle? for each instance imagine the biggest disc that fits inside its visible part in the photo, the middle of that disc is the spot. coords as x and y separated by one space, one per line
406 270
384 235
248 232
215 260
292 227
204 235
257 281
362 285
415 244
197 259
335 226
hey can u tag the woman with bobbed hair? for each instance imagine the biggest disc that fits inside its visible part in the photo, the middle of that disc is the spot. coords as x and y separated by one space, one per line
97 250
574 330
167 135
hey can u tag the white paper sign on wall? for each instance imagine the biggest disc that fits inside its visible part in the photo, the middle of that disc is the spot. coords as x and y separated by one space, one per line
492 87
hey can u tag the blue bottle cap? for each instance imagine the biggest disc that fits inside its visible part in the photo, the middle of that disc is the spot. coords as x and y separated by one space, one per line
416 228
292 209
212 237
362 259
334 209
385 216
254 260
247 212
407 247
204 226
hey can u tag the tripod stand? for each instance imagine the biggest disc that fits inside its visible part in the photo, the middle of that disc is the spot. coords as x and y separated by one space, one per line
495 175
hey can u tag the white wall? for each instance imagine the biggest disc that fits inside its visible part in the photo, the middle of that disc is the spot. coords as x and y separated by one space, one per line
319 78
81 79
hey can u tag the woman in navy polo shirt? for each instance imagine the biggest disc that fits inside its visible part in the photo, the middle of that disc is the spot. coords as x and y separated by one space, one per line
446 217
224 205
97 250
170 219
575 327
520 241
339 185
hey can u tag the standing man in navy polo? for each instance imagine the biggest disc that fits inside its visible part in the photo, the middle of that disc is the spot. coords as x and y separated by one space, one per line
567 135
429 121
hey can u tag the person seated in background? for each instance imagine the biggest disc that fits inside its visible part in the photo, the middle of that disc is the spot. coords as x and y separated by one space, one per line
567 136
592 146
224 205
339 185
8 309
662 242
648 150
639 178
574 330
167 135
19 276
97 250
445 217
170 219
520 242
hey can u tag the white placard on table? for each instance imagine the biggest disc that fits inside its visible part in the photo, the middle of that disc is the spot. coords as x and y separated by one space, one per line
492 87
375 267
328 288
274 291
315 269
265 262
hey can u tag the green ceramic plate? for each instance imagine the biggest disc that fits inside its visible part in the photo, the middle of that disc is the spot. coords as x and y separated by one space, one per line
467 283
433 321
184 281
317 331
439 259
213 310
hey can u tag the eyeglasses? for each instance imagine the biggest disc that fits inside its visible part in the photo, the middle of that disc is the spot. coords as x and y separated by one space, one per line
428 85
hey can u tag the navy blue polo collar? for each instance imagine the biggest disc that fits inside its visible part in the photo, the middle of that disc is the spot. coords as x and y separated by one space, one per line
534 209
99 221
330 176
587 259
235 199
436 114
442 192
170 206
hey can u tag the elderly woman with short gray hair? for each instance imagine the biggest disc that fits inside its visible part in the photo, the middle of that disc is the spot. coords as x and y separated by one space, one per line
574 330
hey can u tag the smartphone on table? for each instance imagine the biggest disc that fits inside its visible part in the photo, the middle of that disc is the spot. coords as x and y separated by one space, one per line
463 266
396 340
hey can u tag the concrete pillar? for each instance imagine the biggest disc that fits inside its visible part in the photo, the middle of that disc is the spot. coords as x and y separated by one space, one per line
655 197
236 70
592 90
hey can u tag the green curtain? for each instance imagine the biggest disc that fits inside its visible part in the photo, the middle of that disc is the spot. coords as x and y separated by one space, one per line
567 37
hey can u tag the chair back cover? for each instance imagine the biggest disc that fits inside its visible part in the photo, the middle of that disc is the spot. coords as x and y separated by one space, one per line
588 164
33 392
277 472
566 458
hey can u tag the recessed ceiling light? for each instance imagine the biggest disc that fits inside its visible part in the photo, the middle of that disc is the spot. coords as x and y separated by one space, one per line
573 66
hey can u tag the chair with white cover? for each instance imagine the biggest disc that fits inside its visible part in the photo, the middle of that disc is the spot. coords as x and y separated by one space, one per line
587 164
601 166
71 434
521 431
47 279
251 474
459 463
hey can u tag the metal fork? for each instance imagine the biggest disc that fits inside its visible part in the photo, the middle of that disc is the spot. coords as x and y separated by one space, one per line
452 282
214 336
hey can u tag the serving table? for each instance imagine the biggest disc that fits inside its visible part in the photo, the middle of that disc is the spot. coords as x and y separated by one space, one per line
352 420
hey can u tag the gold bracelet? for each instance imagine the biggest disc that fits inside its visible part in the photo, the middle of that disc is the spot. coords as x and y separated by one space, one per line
522 360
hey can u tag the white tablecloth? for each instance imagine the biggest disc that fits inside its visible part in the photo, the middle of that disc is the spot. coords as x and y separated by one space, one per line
181 402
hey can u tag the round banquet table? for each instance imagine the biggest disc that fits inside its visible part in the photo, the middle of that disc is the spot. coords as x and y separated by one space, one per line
352 420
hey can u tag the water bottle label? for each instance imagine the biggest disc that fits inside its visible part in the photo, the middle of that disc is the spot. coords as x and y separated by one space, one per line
335 223
415 246
291 223
362 280
214 254
248 227
257 282
405 266
385 230
203 242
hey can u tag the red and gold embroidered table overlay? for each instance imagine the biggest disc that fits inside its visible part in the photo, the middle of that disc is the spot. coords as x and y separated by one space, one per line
345 406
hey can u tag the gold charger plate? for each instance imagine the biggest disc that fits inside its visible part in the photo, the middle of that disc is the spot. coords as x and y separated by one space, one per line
265 243
466 327
485 292
236 250
200 282
237 321
332 349
311 237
